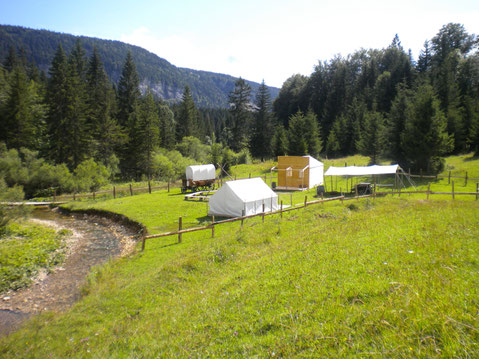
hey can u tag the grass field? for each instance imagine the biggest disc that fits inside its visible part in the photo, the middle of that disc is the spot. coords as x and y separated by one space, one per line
25 249
389 277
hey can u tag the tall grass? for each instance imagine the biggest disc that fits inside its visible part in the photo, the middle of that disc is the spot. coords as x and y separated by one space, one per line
390 278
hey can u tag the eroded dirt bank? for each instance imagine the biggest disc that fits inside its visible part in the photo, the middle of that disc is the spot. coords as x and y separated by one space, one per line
94 240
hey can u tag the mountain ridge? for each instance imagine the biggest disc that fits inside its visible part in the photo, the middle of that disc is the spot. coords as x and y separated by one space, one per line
165 80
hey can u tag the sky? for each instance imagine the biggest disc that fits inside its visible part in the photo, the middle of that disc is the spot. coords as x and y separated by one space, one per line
258 40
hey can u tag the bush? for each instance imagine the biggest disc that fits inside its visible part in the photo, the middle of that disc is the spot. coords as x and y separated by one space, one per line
90 176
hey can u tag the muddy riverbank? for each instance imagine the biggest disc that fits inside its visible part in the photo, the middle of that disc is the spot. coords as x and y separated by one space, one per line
94 240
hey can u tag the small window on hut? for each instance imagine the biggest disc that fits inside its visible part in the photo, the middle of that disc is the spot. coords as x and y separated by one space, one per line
301 174
289 172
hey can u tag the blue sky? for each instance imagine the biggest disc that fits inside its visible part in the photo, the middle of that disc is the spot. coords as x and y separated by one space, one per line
269 39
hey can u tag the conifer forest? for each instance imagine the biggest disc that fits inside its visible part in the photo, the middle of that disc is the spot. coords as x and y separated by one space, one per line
73 128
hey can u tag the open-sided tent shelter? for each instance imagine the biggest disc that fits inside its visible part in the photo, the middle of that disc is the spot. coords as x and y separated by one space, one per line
242 197
299 172
350 171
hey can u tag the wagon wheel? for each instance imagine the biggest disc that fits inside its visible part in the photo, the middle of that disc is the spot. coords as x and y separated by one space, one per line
183 189
193 188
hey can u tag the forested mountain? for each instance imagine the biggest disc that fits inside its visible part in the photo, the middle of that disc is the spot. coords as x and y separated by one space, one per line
164 80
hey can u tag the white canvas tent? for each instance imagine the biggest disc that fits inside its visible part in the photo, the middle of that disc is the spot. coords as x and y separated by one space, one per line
200 172
246 196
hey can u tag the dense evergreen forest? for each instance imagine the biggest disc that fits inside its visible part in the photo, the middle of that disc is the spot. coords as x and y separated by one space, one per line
384 103
74 128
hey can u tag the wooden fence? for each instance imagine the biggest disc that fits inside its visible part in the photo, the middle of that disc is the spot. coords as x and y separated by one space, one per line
341 198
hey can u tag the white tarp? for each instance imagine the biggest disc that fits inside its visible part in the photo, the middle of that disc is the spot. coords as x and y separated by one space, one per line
246 195
316 170
200 172
361 171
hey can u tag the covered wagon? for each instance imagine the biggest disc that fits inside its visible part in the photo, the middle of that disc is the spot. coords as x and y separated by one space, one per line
199 177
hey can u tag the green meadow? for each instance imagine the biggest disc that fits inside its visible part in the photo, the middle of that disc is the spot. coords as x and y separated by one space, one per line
387 277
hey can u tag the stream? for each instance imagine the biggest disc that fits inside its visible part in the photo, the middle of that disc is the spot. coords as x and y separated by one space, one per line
94 240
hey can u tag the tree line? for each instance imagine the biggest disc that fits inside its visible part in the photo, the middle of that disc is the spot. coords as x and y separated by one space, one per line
380 103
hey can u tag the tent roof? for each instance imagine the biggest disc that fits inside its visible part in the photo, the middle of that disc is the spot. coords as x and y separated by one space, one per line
313 162
251 189
361 171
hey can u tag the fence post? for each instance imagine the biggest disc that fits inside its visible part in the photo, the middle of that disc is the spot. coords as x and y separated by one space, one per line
265 179
74 196
428 190
131 190
143 242
180 226
262 213
249 176
449 180
93 195
305 201
243 212
477 191
114 192
212 226
465 184
356 189
453 196
282 206
168 185
149 187
291 197
331 183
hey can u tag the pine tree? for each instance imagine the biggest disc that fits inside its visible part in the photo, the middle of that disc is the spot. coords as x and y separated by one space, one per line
312 134
11 61
260 143
296 135
24 113
187 119
58 106
240 111
425 136
128 101
395 123
128 92
280 142
424 60
107 134
147 134
371 142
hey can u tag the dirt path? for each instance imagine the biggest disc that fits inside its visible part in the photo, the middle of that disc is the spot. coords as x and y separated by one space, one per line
94 241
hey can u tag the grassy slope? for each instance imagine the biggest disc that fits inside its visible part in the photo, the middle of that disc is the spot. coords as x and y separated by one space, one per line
25 249
391 277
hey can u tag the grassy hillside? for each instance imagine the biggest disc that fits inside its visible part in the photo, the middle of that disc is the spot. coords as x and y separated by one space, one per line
390 277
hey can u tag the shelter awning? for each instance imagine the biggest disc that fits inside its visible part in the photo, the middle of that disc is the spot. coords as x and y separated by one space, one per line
361 170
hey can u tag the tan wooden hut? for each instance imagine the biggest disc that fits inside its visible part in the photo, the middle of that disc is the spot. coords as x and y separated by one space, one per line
298 172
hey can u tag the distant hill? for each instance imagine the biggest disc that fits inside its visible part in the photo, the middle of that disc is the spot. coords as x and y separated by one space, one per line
164 79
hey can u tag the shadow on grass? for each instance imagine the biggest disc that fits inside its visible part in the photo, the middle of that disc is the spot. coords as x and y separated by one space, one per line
471 158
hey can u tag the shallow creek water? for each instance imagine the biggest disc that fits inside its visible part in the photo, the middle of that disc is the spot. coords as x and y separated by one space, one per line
93 241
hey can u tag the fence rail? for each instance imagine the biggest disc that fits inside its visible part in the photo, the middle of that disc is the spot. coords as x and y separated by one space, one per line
341 198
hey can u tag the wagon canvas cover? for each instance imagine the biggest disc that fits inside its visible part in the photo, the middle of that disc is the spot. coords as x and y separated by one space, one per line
247 194
200 172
